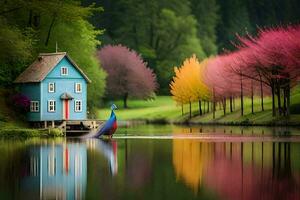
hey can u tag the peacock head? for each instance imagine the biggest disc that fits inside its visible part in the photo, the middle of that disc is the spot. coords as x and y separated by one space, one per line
114 107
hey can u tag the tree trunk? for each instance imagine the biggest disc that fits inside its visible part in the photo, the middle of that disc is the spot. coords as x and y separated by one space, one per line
214 104
252 98
182 109
135 36
230 102
200 107
208 106
233 98
30 18
278 97
288 101
50 29
284 101
273 99
190 109
125 100
261 94
242 97
224 105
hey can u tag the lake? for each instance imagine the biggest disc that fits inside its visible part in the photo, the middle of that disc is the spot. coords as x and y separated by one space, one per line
171 162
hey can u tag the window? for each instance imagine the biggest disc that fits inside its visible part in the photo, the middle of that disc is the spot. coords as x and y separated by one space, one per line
34 106
78 88
78 106
64 71
51 87
51 105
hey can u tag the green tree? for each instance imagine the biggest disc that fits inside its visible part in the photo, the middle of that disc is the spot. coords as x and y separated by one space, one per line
206 13
163 31
42 24
15 51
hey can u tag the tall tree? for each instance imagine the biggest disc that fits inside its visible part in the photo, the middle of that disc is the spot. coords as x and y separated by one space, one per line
128 74
163 31
15 51
234 19
206 14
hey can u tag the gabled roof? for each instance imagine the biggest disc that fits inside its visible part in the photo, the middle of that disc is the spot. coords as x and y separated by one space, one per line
41 67
66 96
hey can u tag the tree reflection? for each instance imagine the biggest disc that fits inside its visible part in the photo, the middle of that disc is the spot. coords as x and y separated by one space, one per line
189 158
237 170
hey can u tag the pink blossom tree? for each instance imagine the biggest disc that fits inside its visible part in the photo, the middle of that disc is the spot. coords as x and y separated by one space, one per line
275 56
128 74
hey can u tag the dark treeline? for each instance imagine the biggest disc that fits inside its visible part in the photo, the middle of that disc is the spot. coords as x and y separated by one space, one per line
164 32
167 31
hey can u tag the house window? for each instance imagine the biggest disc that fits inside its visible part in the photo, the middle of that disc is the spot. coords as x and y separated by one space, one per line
34 106
51 87
51 105
78 87
78 106
64 71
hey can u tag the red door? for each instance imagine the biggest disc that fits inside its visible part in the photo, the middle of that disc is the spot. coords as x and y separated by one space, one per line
66 106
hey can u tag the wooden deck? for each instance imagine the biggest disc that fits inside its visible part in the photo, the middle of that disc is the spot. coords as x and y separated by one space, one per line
72 127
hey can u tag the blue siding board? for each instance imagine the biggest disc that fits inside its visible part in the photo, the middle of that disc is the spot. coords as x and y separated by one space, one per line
63 83
32 91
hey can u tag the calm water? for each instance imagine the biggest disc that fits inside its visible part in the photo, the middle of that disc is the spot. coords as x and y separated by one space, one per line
153 168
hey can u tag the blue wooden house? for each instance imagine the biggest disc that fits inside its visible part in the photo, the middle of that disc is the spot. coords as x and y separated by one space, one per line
56 87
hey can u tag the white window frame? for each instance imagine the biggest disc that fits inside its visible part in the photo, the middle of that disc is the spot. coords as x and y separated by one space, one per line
80 106
62 70
51 107
34 106
49 84
78 91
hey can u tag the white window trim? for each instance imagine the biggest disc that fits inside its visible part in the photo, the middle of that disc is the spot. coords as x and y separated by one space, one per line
61 71
51 83
75 108
54 106
76 91
33 107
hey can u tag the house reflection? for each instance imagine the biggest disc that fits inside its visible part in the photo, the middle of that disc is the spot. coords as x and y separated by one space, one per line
261 170
57 171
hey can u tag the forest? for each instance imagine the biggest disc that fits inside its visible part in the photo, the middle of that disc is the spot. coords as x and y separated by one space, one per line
165 32
162 32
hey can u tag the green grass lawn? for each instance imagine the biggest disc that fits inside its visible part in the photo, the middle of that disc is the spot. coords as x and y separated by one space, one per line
163 108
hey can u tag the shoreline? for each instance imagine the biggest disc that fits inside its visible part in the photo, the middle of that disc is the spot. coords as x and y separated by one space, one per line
19 132
191 123
25 132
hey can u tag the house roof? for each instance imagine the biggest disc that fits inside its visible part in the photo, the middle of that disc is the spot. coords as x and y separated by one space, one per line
66 96
41 67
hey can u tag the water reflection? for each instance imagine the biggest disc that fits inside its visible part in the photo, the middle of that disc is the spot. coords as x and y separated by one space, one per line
238 170
108 149
150 168
59 170
56 171
208 129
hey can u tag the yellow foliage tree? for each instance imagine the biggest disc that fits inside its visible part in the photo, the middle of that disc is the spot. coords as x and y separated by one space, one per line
187 85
